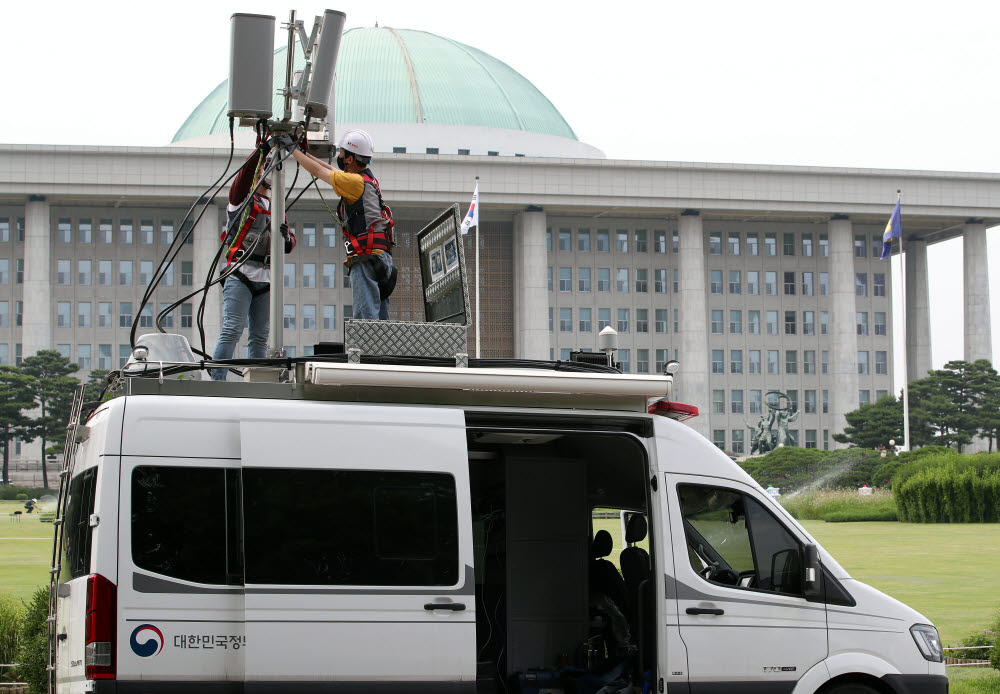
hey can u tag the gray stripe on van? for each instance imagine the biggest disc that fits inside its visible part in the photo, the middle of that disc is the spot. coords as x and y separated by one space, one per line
687 592
143 583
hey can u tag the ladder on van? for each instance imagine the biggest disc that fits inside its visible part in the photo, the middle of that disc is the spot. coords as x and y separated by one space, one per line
65 475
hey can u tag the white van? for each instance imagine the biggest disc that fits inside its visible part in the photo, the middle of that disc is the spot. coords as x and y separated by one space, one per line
393 528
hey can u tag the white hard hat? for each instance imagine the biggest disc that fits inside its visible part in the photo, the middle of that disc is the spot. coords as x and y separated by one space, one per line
358 142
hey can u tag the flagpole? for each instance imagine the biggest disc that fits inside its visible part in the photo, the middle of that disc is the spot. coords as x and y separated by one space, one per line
478 227
906 374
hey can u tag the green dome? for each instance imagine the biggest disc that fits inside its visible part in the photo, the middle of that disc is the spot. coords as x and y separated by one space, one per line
403 76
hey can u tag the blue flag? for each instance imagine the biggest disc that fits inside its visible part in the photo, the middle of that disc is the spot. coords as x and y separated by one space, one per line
893 230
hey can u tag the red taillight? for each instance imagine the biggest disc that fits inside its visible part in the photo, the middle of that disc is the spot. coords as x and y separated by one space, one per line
102 608
674 410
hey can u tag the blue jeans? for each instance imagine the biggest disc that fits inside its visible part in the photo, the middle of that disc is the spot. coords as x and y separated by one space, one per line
364 287
239 306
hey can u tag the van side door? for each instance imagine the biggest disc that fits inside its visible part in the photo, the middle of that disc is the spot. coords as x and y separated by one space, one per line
742 613
358 547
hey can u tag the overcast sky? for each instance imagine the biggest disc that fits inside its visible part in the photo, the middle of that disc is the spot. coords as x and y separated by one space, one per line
909 85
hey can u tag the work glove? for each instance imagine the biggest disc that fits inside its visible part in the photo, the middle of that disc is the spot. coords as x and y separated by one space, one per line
286 142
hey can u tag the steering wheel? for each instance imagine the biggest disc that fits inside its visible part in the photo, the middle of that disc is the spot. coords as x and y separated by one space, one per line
717 574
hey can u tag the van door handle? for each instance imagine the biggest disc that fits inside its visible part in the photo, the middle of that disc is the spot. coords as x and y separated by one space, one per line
705 610
453 606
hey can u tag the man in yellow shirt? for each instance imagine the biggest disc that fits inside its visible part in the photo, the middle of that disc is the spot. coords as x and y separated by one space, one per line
365 220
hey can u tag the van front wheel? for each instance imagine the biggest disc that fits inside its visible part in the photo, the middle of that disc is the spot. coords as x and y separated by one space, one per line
850 688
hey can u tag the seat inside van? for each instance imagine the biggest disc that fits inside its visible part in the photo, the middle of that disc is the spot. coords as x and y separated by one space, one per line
537 502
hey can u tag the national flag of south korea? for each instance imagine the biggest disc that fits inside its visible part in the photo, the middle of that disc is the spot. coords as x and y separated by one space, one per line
472 217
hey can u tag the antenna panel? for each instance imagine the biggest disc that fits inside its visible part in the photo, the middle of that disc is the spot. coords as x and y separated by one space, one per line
325 62
251 66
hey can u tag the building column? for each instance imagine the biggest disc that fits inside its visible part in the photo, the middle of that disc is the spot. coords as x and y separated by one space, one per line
843 366
978 338
531 296
206 245
918 311
692 381
37 320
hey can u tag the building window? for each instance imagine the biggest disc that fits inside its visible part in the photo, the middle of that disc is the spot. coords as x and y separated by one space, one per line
660 281
642 320
719 438
716 281
623 320
771 317
329 236
880 323
565 240
733 242
753 361
583 240
104 357
166 232
548 239
168 275
807 245
603 318
772 361
661 320
771 283
660 241
715 243
860 250
329 317
826 402
62 271
736 401
565 320
809 361
790 284
187 273
565 279
550 319
863 362
661 360
808 322
125 273
603 241
641 244
82 314
864 398
83 357
791 361
735 285
621 283
824 284
146 232
809 404
18 271
753 322
753 282
878 284
881 363
548 277
585 314
716 321
718 402
288 316
145 272
824 322
603 279
677 320
168 319
621 241
718 361
64 231
861 284
752 248
807 284
677 280
125 314
309 316
329 276
788 244
824 246
642 361
309 235
146 316
824 361
770 244
641 280
583 279
675 241
186 321
289 276
736 322
862 322
624 357
736 362
124 351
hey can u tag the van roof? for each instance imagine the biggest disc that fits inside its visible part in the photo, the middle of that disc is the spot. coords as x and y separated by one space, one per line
512 384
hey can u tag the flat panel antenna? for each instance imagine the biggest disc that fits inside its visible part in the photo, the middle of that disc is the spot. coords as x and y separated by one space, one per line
251 66
325 63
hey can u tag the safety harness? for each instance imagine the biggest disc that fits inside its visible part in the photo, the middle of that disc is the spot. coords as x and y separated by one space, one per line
362 240
255 235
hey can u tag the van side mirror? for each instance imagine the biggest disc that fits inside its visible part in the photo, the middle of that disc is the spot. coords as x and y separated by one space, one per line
813 573
785 574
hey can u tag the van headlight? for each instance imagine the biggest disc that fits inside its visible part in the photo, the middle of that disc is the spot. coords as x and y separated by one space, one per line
928 642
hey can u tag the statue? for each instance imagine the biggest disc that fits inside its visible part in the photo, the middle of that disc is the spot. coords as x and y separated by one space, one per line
779 411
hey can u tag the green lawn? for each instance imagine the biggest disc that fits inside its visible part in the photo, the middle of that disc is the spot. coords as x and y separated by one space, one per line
947 572
973 680
25 551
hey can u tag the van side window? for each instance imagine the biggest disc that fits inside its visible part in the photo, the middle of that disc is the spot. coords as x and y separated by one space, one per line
179 522
733 540
77 533
350 527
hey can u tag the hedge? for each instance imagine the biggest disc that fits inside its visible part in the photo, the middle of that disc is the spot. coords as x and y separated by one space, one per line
792 469
950 489
12 492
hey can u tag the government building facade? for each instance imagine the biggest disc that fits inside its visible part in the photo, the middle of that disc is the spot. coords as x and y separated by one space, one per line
755 278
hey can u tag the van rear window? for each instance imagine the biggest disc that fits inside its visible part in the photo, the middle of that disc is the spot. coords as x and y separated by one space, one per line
77 534
179 524
350 527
